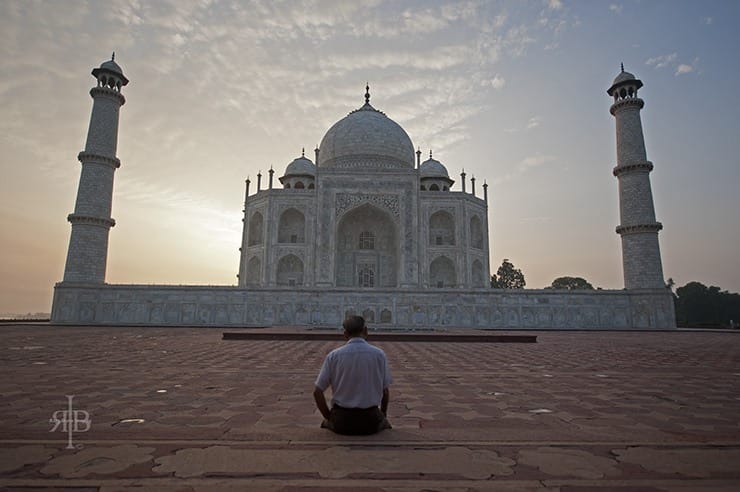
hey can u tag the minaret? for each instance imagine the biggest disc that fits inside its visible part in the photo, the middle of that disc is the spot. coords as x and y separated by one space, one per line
638 228
91 220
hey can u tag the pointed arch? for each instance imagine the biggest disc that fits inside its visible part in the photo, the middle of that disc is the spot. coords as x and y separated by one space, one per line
367 248
255 229
292 227
441 229
442 273
290 271
369 315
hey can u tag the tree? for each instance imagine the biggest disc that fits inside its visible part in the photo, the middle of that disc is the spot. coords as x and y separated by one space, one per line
698 305
508 277
571 283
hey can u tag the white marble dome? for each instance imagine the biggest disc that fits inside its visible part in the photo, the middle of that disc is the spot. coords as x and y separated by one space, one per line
302 166
366 138
432 168
623 77
112 66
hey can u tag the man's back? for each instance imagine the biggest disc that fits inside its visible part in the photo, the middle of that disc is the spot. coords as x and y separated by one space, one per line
357 373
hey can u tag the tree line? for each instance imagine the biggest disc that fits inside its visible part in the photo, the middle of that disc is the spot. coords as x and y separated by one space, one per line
697 306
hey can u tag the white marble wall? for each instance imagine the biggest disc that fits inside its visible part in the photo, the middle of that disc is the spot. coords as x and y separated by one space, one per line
401 308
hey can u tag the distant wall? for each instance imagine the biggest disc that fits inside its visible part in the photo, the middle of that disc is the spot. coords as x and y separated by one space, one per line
155 305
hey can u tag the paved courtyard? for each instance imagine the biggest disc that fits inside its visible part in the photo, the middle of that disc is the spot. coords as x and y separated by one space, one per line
184 410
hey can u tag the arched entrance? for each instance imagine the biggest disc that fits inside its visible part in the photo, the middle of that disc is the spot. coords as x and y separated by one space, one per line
367 249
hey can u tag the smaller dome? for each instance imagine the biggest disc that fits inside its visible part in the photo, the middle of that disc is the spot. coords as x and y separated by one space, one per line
112 66
432 168
301 166
622 77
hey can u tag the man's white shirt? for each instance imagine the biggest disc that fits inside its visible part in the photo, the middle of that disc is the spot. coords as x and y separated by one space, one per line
357 373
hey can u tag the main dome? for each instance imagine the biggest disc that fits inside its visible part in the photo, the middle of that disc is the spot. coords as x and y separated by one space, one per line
366 138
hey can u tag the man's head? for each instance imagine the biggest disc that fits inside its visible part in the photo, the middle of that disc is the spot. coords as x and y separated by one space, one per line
354 326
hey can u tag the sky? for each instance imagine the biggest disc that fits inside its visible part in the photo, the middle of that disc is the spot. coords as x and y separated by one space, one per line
512 92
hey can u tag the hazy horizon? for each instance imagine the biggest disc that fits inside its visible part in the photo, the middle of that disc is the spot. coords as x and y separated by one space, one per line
512 92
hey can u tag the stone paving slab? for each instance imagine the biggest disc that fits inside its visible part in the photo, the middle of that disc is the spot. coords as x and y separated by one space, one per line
181 409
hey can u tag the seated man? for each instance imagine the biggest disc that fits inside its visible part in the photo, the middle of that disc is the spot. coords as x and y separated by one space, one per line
359 377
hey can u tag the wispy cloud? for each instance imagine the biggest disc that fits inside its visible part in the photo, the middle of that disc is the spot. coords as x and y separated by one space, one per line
523 166
497 82
554 4
671 60
662 60
683 68
531 124
534 122
707 20
534 161
616 8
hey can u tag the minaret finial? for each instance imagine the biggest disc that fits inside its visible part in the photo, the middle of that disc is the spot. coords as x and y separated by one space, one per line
367 92
113 56
430 153
303 152
622 66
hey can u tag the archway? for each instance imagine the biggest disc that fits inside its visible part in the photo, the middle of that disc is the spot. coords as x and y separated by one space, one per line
292 227
290 271
255 229
367 249
441 229
442 273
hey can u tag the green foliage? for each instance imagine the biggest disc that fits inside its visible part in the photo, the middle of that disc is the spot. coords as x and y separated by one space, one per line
698 305
508 277
571 283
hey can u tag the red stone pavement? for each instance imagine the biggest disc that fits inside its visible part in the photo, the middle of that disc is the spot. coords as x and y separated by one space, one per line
180 409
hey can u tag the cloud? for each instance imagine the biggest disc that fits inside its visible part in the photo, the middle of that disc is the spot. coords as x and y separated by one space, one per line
534 122
683 68
554 4
617 9
529 162
532 161
662 60
497 82
707 21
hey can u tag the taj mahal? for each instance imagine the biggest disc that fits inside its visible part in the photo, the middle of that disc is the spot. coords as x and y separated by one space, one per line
367 227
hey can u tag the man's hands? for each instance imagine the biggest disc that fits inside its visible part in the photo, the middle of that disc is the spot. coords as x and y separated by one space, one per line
320 400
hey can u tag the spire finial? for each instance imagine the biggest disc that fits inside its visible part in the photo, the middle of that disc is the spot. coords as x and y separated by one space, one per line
367 92
622 66
113 56
303 152
430 153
